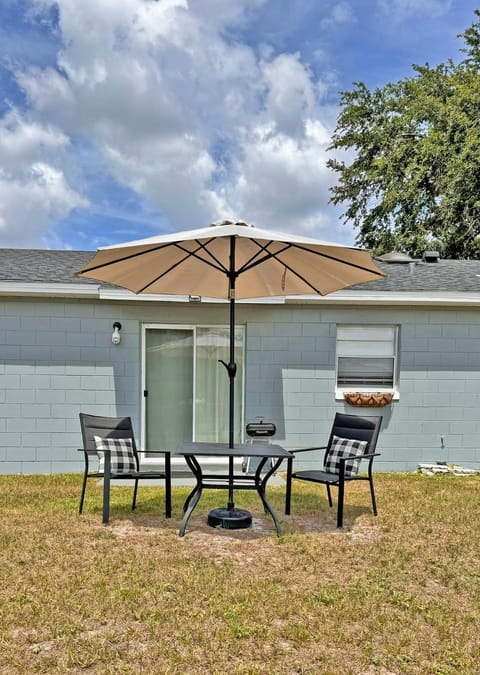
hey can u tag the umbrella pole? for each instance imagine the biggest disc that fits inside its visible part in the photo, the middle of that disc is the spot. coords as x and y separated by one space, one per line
232 367
231 518
232 371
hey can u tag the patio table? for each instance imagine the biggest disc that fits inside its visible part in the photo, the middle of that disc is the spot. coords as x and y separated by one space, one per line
231 481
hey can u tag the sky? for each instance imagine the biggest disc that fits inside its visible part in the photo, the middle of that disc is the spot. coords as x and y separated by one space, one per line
122 119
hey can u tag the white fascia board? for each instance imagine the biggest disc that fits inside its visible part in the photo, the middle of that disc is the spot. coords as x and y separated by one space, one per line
123 294
338 298
429 298
49 290
345 297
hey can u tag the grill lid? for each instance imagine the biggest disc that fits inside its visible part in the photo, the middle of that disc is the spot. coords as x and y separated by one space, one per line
260 429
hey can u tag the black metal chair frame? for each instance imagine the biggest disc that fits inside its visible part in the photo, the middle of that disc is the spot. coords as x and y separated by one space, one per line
118 427
354 427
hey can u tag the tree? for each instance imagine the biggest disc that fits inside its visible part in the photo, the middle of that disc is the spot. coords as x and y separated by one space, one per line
414 181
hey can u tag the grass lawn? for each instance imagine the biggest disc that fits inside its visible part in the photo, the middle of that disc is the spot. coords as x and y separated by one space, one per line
399 593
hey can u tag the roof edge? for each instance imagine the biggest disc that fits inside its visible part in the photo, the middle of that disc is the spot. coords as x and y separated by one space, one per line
343 297
35 288
415 298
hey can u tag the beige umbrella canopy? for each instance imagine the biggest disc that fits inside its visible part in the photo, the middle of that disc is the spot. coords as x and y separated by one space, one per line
232 261
198 262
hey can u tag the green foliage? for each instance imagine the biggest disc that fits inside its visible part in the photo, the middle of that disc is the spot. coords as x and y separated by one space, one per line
414 180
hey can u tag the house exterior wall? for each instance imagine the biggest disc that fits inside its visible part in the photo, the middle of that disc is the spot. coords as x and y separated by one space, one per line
57 359
291 378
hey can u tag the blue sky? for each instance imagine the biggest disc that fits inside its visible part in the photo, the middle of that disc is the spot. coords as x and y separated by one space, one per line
120 119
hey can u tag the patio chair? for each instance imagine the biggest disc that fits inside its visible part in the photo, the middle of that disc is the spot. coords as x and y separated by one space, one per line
353 438
112 440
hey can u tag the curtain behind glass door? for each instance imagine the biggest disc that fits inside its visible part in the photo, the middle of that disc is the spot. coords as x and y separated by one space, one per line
212 384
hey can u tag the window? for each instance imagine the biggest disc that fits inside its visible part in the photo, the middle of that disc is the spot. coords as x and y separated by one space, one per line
366 358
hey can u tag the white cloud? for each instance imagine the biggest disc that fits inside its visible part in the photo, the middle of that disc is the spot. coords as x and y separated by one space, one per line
179 111
33 187
290 99
341 13
404 9
283 181
29 202
22 141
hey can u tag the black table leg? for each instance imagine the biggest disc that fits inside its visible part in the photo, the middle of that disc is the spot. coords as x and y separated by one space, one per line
189 498
261 484
194 496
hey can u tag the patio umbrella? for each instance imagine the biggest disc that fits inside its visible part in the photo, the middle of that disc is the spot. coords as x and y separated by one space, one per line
231 260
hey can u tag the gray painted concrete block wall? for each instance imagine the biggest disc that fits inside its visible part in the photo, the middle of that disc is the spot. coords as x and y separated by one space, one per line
437 417
57 359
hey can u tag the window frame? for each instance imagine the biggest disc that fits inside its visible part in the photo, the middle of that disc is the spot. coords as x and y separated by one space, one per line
340 390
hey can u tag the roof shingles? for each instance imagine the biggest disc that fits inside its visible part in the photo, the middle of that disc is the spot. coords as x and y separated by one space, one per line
48 266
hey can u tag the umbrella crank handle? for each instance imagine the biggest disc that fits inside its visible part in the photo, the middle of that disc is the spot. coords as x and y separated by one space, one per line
231 368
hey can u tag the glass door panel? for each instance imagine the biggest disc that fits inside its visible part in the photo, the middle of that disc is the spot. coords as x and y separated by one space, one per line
169 362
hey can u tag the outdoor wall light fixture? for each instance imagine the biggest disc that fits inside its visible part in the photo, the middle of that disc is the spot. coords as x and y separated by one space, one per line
116 337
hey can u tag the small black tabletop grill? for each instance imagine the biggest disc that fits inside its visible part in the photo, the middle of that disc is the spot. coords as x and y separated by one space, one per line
259 431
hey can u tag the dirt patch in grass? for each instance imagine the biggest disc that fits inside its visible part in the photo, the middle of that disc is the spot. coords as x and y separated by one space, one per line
248 546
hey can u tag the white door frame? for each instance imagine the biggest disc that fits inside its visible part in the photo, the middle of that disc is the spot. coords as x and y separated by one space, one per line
143 412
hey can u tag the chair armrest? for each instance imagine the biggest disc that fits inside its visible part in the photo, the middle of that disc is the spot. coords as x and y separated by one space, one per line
155 452
295 450
347 457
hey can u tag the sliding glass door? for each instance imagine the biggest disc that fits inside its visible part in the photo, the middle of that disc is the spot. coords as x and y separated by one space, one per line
186 388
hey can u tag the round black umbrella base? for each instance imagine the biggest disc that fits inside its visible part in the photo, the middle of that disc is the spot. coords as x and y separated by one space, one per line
230 519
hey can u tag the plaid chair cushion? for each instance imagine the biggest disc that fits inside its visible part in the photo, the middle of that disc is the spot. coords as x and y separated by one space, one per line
345 447
122 458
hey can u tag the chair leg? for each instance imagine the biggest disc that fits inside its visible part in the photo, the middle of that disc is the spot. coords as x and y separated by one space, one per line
288 490
168 487
82 496
341 492
106 487
330 503
372 494
135 490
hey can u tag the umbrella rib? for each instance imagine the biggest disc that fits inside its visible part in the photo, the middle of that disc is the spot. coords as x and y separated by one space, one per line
247 266
220 266
122 259
299 276
138 254
189 254
339 260
264 247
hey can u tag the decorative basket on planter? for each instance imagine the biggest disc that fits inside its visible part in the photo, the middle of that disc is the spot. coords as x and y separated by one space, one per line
373 400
